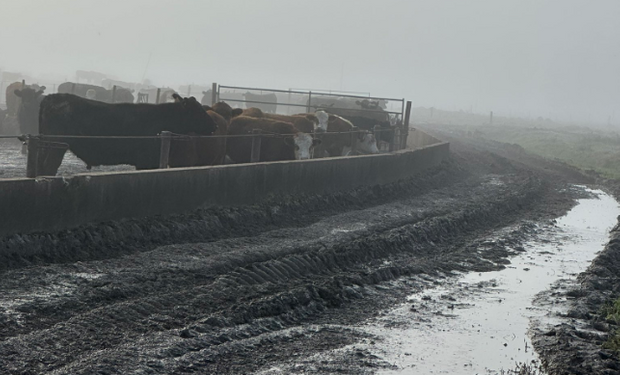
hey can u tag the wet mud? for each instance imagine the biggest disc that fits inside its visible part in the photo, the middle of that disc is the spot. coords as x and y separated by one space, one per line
574 344
273 288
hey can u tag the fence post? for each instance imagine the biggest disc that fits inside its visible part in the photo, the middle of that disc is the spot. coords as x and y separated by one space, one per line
33 156
354 137
113 94
164 151
23 84
309 102
318 149
405 130
189 90
256 141
157 97
378 132
213 93
395 139
491 118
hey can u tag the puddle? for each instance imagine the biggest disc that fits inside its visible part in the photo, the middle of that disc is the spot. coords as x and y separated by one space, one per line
477 323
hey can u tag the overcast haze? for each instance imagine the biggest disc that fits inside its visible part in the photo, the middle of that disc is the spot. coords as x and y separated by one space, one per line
557 59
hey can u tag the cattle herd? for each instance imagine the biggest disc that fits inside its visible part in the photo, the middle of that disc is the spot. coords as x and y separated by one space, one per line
109 127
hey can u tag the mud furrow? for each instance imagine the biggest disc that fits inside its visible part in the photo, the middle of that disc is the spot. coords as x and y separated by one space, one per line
254 293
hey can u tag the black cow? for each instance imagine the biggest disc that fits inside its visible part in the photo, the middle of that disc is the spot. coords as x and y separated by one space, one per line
121 95
66 114
267 103
28 112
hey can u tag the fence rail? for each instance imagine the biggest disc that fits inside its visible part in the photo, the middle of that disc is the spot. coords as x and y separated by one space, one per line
305 100
36 143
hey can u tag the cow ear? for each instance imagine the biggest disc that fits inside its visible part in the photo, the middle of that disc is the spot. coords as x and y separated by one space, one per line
42 88
289 141
237 112
177 98
39 92
316 142
18 92
361 135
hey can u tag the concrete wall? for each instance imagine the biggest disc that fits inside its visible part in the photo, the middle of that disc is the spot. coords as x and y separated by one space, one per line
49 204
418 138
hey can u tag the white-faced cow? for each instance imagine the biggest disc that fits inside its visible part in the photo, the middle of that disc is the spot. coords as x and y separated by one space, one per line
280 141
338 141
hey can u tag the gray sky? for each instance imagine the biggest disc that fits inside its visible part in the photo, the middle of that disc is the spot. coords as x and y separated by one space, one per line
553 58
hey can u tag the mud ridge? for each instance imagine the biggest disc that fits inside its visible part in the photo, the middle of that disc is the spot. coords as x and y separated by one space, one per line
115 238
283 288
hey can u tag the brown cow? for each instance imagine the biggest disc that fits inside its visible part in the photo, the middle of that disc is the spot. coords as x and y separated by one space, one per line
200 151
281 140
224 110
301 121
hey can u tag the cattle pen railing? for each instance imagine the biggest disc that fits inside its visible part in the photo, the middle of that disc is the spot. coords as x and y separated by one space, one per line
397 111
224 94
34 144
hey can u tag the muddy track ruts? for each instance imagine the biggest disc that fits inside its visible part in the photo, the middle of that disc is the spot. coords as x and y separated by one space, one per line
189 306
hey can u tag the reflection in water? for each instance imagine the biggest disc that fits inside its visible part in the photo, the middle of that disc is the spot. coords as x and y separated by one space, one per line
477 323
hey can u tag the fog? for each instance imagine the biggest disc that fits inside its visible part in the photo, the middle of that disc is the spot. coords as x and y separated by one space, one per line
556 58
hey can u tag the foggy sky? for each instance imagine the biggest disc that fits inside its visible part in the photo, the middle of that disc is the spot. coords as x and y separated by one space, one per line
555 58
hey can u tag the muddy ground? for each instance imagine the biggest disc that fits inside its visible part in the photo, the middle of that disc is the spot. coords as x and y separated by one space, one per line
268 288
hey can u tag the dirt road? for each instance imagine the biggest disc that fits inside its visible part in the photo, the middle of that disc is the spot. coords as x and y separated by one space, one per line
263 288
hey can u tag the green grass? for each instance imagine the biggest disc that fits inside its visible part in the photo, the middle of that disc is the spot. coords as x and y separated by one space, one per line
584 148
611 312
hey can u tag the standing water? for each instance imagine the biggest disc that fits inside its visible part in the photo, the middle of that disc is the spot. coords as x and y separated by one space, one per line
478 323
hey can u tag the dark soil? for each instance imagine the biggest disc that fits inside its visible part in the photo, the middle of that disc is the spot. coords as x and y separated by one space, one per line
256 289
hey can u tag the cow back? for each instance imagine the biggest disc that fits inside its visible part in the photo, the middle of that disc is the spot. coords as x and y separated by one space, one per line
273 145
66 114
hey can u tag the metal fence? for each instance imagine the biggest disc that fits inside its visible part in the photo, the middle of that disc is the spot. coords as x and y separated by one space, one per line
16 162
32 156
287 102
295 101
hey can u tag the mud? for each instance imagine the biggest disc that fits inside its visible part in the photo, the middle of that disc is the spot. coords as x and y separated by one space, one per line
272 288
574 344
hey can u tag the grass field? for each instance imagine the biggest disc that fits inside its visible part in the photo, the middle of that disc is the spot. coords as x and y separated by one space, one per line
585 148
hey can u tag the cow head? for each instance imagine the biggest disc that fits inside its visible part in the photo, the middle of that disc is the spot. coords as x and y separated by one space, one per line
303 145
28 112
226 111
367 143
195 118
323 118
